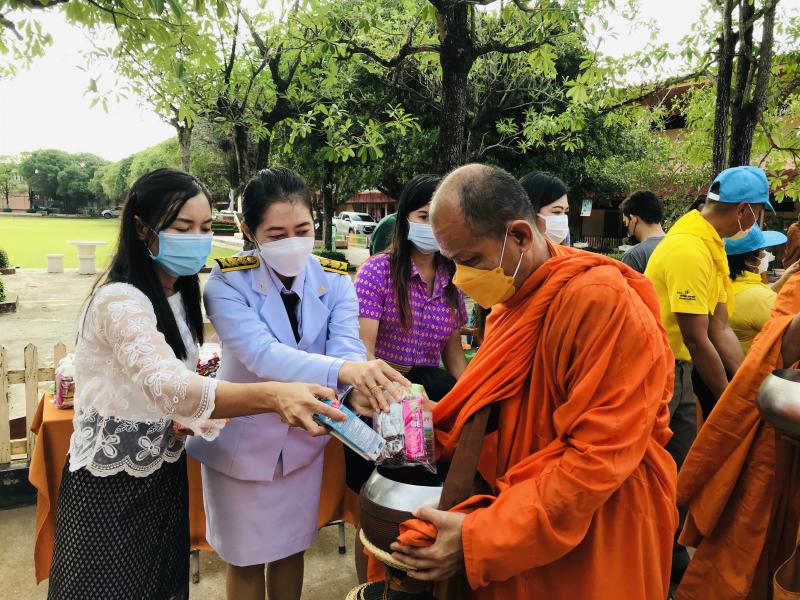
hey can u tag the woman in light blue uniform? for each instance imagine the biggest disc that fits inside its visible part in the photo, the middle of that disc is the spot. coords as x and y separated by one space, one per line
282 315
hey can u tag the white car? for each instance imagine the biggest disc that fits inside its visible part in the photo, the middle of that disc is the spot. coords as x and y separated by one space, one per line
355 222
112 213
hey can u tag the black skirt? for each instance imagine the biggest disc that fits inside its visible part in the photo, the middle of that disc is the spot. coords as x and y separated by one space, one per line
122 537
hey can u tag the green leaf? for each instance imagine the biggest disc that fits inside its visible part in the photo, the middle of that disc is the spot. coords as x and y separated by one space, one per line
176 7
157 6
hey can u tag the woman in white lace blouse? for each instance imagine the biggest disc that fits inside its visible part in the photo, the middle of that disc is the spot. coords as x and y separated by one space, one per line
122 523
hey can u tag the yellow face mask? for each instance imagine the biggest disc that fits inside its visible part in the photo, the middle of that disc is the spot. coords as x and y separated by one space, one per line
487 287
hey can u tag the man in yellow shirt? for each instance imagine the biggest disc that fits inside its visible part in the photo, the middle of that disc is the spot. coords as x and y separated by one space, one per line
689 270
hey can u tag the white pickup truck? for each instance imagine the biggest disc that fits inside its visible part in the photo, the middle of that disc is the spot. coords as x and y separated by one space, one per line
354 222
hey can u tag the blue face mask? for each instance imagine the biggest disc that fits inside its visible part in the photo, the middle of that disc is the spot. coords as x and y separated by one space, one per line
182 254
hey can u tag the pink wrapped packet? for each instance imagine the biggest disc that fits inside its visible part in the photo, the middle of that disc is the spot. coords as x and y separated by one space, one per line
407 430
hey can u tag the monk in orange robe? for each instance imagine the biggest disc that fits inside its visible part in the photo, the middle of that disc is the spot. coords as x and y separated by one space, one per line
578 367
743 514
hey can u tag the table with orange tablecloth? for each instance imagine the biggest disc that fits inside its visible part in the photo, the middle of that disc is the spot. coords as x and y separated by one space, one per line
53 428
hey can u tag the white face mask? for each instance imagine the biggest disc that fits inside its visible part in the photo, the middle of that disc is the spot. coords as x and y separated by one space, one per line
556 227
763 264
287 257
421 235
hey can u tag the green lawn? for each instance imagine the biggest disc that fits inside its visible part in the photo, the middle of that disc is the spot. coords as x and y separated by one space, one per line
29 239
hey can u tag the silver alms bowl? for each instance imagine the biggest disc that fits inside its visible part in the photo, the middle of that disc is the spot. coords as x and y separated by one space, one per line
779 401
399 496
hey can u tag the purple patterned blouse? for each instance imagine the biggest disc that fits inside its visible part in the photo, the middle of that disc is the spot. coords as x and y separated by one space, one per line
433 322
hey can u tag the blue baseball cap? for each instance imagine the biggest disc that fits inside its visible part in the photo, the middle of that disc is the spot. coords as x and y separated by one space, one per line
742 184
754 240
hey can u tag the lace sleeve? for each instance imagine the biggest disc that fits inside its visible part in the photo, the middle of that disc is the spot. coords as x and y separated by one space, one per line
124 318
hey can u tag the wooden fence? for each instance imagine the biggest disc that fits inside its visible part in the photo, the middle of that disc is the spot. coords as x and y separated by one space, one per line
30 377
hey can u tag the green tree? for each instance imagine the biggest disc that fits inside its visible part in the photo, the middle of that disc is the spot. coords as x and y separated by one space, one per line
159 156
10 179
143 22
40 169
96 186
58 175
331 135
74 189
115 179
445 39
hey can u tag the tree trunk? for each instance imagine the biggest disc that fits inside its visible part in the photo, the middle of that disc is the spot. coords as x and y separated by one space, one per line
727 45
748 113
185 143
456 57
240 151
262 153
327 208
745 68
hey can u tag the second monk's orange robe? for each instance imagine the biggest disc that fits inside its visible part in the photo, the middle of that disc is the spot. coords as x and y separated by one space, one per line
743 514
583 503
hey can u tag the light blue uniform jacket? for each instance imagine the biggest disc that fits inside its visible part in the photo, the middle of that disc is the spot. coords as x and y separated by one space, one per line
249 316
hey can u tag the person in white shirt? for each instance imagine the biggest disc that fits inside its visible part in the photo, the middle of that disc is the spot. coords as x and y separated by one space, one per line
122 522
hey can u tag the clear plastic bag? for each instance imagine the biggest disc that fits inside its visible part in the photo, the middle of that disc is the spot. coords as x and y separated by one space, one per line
407 430
65 382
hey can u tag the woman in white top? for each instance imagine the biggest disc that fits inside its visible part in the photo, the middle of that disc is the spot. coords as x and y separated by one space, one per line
122 523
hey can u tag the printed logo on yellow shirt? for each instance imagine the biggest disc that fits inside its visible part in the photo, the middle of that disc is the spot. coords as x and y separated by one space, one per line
687 296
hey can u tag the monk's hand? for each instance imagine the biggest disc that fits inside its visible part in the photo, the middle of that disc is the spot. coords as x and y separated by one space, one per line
445 557
361 403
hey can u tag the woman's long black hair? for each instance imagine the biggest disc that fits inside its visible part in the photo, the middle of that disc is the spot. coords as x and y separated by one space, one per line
542 188
416 194
737 263
157 198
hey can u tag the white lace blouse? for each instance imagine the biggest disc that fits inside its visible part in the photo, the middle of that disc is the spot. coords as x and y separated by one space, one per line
130 387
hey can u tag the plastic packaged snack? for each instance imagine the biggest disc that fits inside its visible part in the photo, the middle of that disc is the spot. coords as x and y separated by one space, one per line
65 383
407 430
353 432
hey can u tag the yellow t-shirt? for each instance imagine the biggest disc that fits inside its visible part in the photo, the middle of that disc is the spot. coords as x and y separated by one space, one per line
688 269
754 302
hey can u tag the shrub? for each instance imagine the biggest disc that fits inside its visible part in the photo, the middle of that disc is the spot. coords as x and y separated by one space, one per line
6 209
224 228
31 210
4 264
331 254
616 255
2 291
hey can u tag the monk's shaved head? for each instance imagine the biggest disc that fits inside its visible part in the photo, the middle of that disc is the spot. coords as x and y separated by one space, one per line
487 198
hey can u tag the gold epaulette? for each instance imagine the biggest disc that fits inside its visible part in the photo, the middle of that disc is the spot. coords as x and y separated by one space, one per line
332 266
237 263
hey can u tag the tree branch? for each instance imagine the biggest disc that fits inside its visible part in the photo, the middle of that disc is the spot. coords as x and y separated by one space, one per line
496 46
389 63
795 152
667 83
7 24
785 90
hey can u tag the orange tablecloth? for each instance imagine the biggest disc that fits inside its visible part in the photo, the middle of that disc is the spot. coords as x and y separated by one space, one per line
53 428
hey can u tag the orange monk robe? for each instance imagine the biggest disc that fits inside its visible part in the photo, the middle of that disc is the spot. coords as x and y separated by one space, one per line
742 518
584 492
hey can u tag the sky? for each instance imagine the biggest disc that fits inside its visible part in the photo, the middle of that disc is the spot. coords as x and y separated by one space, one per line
45 106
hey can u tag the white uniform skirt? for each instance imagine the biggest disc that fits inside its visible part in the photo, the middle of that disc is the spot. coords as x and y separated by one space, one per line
255 522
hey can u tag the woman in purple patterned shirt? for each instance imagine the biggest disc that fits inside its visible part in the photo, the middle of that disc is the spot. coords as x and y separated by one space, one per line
410 313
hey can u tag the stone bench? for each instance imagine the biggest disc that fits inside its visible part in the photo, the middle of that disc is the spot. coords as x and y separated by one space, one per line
55 263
